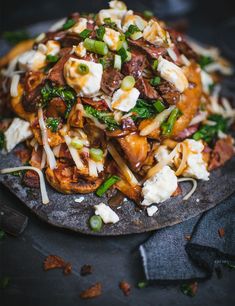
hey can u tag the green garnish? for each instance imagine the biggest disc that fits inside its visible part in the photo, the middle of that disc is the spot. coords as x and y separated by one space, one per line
131 30
143 110
16 36
155 64
189 289
106 185
209 132
53 124
66 93
2 140
96 46
159 105
167 126
4 282
83 69
100 32
128 83
142 284
125 55
68 24
155 81
85 33
77 143
148 14
52 58
96 154
96 223
109 23
205 60
104 117
2 234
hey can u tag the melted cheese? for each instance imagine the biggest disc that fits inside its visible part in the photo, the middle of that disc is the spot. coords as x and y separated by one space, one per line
125 100
159 187
85 85
155 34
172 73
112 39
106 213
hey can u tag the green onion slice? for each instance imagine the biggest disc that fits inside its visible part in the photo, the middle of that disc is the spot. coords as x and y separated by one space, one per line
106 185
83 69
128 83
85 33
167 127
76 143
96 223
155 64
96 46
68 24
155 81
96 154
117 62
159 105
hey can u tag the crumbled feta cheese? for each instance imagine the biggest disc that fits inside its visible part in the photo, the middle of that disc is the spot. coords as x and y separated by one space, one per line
160 187
131 19
112 38
115 15
172 73
87 84
207 81
155 34
124 100
79 26
32 60
18 131
53 47
197 167
79 200
106 213
152 210
80 50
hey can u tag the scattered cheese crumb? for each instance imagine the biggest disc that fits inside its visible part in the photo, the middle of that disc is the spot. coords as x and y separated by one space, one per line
152 210
79 200
106 213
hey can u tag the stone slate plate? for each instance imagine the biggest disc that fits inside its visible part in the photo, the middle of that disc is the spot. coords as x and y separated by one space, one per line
63 211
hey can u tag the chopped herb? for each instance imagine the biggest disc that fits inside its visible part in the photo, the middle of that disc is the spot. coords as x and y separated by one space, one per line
155 81
100 32
143 110
2 234
167 126
96 223
104 117
66 93
83 69
107 184
85 33
4 282
148 14
142 284
16 36
205 60
52 58
159 105
209 132
53 124
109 23
2 140
96 46
155 64
68 24
131 30
123 53
189 289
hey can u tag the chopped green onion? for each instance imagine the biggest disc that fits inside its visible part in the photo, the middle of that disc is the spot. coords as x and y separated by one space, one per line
142 284
125 45
96 223
117 62
100 32
167 127
76 143
96 154
136 35
123 53
96 46
53 124
128 83
83 69
111 24
52 58
155 81
205 60
148 14
155 64
159 105
68 24
107 184
85 33
131 30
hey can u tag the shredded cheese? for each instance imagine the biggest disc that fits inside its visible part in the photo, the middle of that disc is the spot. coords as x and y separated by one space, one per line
74 153
188 195
14 85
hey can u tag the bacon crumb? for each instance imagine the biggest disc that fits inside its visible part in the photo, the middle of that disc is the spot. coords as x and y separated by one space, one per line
187 237
92 292
56 262
177 192
125 287
67 269
23 154
86 270
221 232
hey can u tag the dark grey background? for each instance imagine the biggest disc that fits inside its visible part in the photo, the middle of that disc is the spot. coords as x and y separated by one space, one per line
114 259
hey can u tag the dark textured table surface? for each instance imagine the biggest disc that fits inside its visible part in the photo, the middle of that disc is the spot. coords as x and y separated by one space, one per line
113 259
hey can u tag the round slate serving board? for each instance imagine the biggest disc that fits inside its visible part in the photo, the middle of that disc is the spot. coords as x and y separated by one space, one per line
63 211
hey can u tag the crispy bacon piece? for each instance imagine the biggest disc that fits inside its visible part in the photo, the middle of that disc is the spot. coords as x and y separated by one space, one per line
221 232
56 108
92 292
86 270
147 91
133 193
56 262
31 179
151 50
177 192
23 154
222 152
168 92
136 65
100 105
111 80
125 287
67 268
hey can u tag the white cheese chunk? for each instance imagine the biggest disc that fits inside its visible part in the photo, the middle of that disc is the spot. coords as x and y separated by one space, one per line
206 81
155 34
85 85
79 26
125 100
115 15
53 47
79 200
159 187
32 60
18 131
196 166
112 38
106 213
80 50
119 5
131 19
172 73
152 210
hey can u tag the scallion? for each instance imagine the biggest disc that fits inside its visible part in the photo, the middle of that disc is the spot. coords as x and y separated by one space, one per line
52 58
85 33
100 32
159 105
96 154
83 69
155 64
167 127
106 185
117 62
68 24
136 35
76 143
155 81
96 223
95 46
128 83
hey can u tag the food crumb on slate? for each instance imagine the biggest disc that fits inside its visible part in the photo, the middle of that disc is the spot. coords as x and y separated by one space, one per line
86 270
92 292
125 287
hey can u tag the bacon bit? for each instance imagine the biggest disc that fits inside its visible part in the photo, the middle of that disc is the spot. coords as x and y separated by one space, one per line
221 232
31 179
23 155
125 287
187 237
99 105
86 270
56 262
177 192
92 292
189 289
